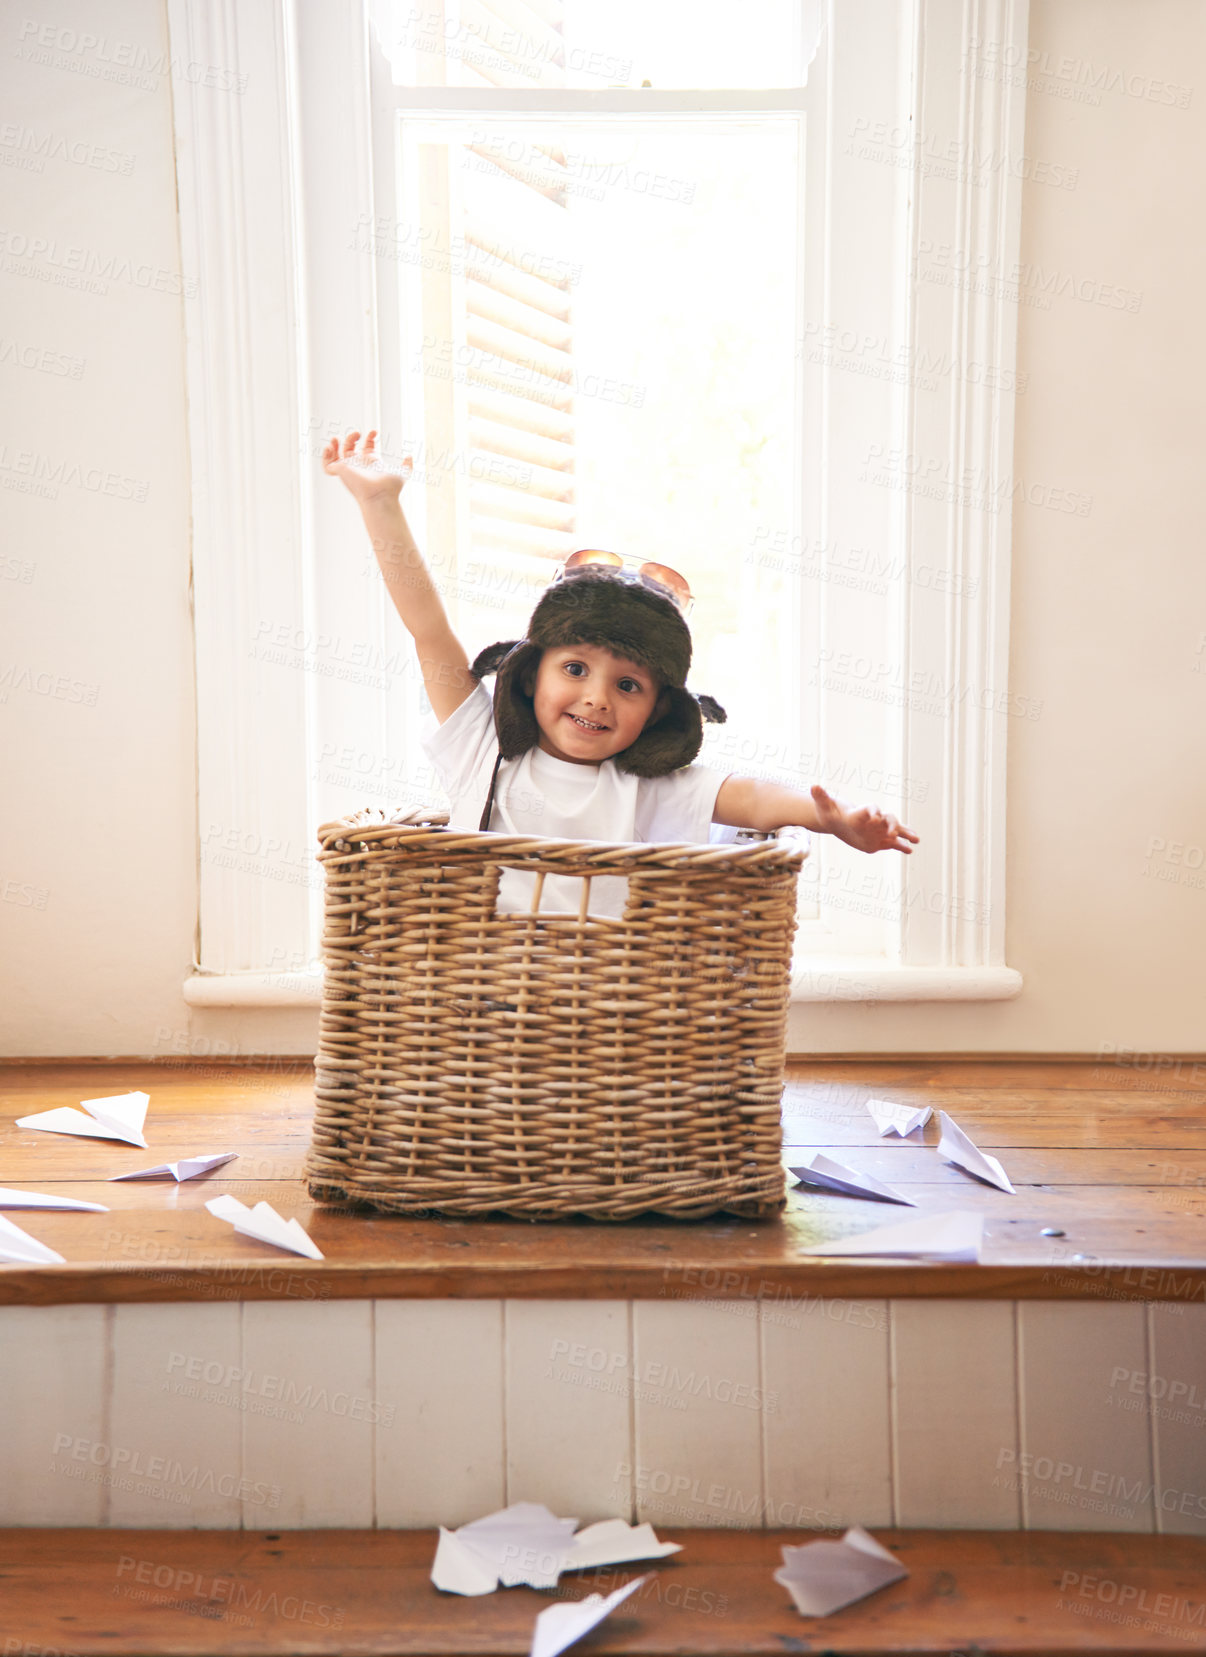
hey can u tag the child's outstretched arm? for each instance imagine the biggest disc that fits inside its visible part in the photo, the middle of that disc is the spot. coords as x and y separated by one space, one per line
442 659
743 802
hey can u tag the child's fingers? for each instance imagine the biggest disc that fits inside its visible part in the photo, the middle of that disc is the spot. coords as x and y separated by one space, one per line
349 443
370 446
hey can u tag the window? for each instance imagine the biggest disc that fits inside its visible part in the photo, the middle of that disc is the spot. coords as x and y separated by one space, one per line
455 222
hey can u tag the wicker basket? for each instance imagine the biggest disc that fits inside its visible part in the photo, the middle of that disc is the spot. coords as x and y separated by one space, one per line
543 1066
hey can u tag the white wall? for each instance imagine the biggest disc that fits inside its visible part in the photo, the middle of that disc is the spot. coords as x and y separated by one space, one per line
1109 611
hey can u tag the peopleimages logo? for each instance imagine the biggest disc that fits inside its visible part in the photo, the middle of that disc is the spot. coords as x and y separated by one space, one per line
115 1464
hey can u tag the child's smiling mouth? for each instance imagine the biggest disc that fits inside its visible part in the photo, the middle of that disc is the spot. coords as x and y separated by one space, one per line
586 724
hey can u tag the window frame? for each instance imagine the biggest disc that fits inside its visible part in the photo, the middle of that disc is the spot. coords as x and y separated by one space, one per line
264 375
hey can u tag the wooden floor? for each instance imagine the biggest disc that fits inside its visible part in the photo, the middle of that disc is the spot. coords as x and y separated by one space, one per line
202 1592
1112 1158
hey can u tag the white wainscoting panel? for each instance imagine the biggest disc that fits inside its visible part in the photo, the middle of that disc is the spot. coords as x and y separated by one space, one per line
828 1453
699 1416
954 1413
175 1417
319 1355
1091 1462
440 1446
1174 1396
795 1413
569 1406
53 1402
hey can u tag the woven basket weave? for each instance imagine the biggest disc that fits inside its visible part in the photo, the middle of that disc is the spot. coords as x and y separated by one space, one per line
550 1065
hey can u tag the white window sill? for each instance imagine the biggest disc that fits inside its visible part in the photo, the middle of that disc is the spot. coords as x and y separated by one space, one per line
816 979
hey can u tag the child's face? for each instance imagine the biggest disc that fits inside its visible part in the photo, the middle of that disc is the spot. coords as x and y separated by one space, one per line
590 704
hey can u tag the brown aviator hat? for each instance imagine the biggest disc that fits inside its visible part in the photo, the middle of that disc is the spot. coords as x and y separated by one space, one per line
621 613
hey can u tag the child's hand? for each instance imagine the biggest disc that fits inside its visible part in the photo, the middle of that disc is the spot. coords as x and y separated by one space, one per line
859 826
363 473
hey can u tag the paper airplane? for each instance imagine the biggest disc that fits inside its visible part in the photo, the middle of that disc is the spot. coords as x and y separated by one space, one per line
898 1119
120 1117
956 1147
616 1542
525 1544
831 1175
17 1247
264 1224
956 1236
561 1625
520 1544
38 1199
187 1168
822 1577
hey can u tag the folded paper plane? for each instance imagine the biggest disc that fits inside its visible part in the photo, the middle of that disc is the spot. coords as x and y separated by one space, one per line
18 1248
526 1545
955 1237
898 1119
38 1199
956 1147
616 1542
559 1626
264 1224
830 1175
187 1168
822 1577
120 1117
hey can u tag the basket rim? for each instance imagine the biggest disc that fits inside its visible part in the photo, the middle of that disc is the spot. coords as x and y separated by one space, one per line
371 830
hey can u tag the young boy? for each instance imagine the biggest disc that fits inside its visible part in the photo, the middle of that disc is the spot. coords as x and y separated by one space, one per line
590 717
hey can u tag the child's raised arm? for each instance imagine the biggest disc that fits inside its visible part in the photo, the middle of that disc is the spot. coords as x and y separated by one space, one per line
441 656
743 802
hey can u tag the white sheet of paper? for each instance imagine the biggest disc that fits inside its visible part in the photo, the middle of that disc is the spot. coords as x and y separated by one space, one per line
120 1117
956 1147
520 1544
831 1175
561 1625
956 1236
188 1167
458 1569
526 1544
898 1119
17 1247
38 1199
264 1224
822 1577
616 1542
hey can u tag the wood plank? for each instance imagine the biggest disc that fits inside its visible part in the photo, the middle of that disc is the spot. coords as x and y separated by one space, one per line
827 1444
175 1400
53 1363
311 1461
439 1378
1130 1206
176 1594
954 1412
1083 1464
1172 1395
570 1383
700 1403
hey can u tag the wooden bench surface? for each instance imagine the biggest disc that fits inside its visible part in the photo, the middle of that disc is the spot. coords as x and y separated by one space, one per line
196 1593
1113 1158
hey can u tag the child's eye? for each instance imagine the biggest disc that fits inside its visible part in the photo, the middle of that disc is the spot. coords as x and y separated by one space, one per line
576 668
630 685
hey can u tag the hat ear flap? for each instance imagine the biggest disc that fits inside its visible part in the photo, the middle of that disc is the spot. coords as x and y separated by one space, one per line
492 657
514 717
668 743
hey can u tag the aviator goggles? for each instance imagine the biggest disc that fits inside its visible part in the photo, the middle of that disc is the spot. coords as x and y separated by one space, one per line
659 576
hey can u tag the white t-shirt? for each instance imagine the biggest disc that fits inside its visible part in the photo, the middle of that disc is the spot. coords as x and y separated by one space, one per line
555 799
